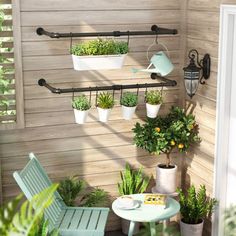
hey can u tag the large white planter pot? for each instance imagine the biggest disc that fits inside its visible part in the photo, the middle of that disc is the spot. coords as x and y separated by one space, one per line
166 179
152 110
100 62
125 227
191 229
128 112
80 116
103 114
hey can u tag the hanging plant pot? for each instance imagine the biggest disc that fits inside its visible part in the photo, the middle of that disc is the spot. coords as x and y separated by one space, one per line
152 110
80 116
191 229
101 62
128 112
103 114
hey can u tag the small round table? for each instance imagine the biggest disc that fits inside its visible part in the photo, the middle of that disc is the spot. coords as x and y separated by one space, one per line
147 213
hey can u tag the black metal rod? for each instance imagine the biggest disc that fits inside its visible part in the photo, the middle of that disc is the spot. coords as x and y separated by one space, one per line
154 31
167 83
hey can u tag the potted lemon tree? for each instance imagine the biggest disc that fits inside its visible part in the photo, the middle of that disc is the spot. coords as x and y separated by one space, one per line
154 100
129 103
174 131
99 54
105 102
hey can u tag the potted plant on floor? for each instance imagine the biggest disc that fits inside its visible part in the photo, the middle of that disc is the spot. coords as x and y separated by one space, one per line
194 208
99 54
81 107
105 103
174 131
129 103
154 100
132 182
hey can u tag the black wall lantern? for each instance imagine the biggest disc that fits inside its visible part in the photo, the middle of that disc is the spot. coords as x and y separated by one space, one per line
194 74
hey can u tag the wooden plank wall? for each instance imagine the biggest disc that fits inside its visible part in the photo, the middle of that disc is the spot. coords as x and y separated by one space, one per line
94 151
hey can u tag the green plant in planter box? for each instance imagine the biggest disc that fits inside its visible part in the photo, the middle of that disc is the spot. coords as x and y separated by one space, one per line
129 99
105 100
154 97
81 103
195 205
100 47
132 181
162 134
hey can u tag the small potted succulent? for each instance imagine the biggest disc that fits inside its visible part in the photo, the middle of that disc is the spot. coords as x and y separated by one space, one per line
195 206
81 106
129 103
105 103
99 54
154 100
176 130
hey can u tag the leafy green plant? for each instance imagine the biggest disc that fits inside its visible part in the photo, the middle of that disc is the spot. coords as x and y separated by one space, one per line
129 99
25 219
132 181
195 206
105 100
44 229
154 97
230 221
81 103
100 47
162 134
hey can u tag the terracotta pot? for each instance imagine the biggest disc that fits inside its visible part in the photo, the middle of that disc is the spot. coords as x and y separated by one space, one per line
191 229
125 227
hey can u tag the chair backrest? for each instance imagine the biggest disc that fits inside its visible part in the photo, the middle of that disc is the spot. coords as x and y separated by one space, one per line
32 180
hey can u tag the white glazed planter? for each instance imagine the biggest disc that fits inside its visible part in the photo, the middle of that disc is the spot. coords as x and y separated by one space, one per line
100 62
80 116
152 110
191 229
103 114
125 227
166 179
128 112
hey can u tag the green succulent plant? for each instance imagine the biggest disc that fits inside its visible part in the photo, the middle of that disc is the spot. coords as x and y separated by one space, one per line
195 205
132 181
100 47
105 100
154 97
81 103
129 99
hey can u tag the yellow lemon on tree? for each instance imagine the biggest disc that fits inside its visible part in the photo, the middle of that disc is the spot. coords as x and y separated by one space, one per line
172 143
157 129
180 146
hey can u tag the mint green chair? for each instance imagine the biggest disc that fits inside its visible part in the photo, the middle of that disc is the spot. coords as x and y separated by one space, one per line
71 221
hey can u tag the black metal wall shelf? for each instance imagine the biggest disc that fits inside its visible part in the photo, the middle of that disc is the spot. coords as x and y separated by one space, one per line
165 83
155 30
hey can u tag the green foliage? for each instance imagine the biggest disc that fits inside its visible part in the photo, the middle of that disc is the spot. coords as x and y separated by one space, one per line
105 100
154 97
129 99
163 134
70 188
81 103
195 206
230 221
100 47
25 219
44 230
132 181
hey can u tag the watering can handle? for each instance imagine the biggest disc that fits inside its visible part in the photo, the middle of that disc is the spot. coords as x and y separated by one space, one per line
154 43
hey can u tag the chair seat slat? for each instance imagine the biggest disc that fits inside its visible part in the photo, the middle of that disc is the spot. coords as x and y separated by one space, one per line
76 219
85 219
93 221
67 219
102 220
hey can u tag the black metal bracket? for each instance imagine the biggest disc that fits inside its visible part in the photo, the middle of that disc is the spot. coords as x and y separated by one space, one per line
165 83
155 30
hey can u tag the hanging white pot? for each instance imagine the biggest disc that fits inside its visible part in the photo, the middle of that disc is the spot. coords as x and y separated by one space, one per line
125 227
152 110
103 114
100 62
191 229
128 112
80 116
166 179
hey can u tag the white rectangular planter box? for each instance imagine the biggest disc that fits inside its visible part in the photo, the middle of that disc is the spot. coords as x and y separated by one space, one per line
100 62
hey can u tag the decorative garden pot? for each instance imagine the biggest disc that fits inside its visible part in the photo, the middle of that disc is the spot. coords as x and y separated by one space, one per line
125 227
152 110
166 179
100 62
80 116
191 229
128 112
103 114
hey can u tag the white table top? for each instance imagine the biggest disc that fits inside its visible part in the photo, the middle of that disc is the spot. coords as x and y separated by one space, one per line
145 212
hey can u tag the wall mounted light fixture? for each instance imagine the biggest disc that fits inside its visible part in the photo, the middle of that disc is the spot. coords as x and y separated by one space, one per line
194 74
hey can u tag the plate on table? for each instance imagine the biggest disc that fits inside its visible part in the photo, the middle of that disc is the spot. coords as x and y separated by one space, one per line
136 205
